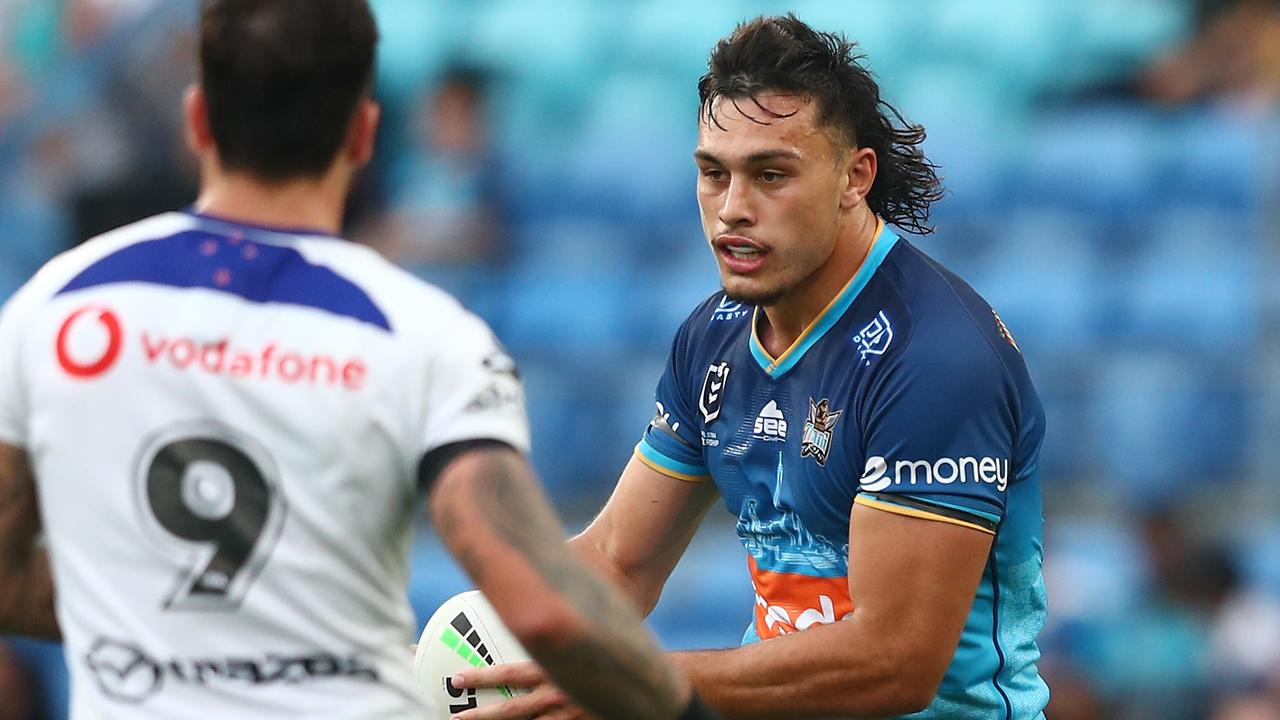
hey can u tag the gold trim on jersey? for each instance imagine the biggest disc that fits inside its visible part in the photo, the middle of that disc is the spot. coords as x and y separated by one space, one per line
668 471
911 512
774 363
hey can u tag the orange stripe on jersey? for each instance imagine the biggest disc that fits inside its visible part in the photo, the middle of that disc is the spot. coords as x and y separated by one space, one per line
787 602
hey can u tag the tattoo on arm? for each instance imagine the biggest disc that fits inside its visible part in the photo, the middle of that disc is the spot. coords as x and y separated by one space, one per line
610 664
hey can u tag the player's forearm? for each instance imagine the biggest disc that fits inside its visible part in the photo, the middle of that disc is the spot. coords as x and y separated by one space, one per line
639 590
583 632
27 608
848 669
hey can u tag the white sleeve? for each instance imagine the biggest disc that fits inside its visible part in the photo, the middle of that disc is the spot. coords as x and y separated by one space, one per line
13 400
473 390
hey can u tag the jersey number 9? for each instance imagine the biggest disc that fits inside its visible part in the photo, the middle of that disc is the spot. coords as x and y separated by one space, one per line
210 493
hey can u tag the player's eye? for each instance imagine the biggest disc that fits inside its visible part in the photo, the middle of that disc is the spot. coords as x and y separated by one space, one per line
714 174
772 176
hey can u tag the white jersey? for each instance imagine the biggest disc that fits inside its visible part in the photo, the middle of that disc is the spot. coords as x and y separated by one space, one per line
225 425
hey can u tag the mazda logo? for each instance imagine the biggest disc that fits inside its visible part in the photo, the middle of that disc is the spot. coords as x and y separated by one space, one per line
124 671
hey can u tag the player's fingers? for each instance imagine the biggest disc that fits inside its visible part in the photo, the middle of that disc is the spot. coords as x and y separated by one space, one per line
518 708
551 698
513 675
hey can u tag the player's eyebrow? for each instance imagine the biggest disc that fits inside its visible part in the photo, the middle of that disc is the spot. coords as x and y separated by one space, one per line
759 157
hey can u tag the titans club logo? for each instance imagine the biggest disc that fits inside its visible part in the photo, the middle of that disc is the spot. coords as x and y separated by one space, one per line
816 440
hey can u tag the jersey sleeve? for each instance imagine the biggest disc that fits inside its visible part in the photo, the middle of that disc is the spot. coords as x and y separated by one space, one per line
13 403
940 434
672 444
473 391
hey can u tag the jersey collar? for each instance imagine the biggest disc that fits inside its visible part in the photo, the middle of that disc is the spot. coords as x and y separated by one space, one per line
287 231
884 241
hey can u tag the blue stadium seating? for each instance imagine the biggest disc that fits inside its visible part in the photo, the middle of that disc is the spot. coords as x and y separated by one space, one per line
1130 249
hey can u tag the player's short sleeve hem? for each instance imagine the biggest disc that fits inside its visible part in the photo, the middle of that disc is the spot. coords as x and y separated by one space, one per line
911 506
658 461
513 434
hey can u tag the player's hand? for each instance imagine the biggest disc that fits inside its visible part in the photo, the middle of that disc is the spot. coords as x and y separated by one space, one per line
545 701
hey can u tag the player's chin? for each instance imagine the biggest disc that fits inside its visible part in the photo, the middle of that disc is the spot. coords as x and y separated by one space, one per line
750 290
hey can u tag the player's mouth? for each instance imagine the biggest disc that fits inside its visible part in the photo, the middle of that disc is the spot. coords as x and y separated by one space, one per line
741 255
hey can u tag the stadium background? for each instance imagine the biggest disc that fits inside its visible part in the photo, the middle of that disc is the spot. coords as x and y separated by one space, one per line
1114 176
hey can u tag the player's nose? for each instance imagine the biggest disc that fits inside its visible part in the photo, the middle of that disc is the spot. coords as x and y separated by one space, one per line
738 208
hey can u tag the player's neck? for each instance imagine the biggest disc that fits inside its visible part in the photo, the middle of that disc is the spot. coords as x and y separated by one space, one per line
311 204
786 320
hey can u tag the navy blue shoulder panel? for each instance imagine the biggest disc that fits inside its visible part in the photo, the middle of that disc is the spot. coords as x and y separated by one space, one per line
257 272
715 311
955 308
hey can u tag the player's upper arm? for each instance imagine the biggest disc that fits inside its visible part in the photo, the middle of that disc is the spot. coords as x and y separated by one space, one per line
941 432
18 505
645 528
913 582
19 526
13 406
492 515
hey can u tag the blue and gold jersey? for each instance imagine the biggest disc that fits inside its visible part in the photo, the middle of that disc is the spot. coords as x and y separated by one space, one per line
907 394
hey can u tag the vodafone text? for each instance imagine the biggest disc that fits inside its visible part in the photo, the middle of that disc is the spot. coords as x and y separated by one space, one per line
943 471
271 362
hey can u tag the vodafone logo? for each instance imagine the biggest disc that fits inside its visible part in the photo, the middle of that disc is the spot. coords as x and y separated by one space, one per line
89 342
91 339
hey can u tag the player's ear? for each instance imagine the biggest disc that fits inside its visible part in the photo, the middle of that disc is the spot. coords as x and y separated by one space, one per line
859 170
363 132
195 114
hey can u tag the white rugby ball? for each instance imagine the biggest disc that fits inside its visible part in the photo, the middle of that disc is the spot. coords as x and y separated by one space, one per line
463 633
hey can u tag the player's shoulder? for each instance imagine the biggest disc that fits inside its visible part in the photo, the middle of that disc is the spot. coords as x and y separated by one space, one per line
716 317
403 296
59 271
407 302
951 325
423 319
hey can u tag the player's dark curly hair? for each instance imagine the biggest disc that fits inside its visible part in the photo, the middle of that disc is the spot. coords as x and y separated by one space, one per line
782 53
283 79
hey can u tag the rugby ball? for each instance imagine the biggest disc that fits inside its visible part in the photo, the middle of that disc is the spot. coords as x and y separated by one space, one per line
463 633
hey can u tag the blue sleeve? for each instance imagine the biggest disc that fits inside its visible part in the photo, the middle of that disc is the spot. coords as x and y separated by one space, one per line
672 444
940 430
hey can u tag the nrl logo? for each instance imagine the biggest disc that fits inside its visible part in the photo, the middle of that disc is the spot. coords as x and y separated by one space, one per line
874 339
816 441
712 396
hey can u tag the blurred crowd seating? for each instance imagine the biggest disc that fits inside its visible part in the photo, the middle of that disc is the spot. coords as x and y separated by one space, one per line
1132 250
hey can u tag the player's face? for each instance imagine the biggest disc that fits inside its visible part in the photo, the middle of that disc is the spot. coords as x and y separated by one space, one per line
769 189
